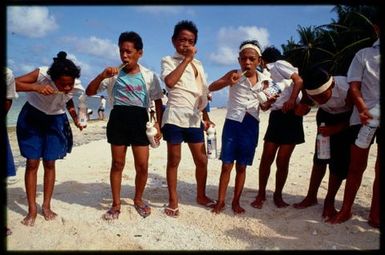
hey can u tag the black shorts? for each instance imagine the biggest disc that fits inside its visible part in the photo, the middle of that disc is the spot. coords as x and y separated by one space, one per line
284 128
127 126
339 143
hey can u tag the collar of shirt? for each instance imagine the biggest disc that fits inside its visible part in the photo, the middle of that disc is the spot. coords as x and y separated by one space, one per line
376 44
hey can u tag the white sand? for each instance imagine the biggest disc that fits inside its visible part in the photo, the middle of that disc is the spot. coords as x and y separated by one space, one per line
82 194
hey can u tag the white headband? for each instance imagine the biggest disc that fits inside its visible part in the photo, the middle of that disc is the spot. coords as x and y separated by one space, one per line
321 89
250 46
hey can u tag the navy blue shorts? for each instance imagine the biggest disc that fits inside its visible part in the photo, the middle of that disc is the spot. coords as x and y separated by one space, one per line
43 136
339 143
127 126
176 135
239 140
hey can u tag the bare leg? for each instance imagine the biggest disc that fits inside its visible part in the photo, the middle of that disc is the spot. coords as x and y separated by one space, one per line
358 163
200 159
374 216
268 155
333 186
118 153
223 184
30 180
282 161
239 183
141 155
173 159
317 174
49 184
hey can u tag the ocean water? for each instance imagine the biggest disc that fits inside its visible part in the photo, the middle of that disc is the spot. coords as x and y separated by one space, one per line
17 104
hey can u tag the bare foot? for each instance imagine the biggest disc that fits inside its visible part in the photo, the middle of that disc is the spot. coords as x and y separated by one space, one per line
307 202
112 214
278 201
29 220
207 202
340 217
237 209
329 212
219 206
48 213
258 202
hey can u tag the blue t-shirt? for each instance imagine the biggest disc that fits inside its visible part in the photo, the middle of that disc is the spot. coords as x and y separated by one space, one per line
130 90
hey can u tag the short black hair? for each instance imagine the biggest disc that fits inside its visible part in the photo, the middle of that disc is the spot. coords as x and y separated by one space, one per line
185 25
131 37
271 54
314 77
62 66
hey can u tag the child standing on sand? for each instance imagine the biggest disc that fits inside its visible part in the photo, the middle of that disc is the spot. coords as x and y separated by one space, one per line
331 95
130 88
43 129
241 127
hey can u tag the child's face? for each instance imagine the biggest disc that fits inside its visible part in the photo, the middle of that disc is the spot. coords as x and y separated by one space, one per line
129 55
65 83
249 59
184 40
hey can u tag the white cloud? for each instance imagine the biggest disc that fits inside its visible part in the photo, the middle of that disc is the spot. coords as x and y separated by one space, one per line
30 21
95 46
229 39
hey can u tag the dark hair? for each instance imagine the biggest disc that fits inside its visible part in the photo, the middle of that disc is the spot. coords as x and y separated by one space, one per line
185 25
271 54
253 42
314 77
131 37
62 66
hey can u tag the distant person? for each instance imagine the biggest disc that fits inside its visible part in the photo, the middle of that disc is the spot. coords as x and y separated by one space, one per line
102 108
364 80
43 129
284 130
10 95
241 127
131 88
186 83
334 110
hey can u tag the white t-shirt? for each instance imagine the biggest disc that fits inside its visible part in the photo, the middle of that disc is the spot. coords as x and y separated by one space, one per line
243 98
282 70
337 102
10 83
52 104
188 97
365 68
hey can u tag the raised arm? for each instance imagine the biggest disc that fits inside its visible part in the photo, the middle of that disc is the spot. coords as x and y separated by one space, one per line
93 86
28 83
228 79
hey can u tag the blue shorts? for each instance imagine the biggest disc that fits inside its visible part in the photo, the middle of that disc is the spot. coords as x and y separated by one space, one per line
176 135
239 140
43 136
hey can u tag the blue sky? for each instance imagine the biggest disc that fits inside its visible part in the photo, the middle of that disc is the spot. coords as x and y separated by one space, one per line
89 34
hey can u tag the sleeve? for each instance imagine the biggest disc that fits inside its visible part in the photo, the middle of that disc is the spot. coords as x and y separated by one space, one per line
11 85
78 88
156 91
285 69
104 85
167 66
356 68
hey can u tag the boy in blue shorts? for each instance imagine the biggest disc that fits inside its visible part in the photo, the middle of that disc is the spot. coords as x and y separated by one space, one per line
331 95
241 128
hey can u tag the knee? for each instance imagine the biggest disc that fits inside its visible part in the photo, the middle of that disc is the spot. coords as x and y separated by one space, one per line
201 162
117 165
173 161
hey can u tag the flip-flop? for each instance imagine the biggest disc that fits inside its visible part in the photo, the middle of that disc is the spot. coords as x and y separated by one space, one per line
111 214
171 212
210 204
143 210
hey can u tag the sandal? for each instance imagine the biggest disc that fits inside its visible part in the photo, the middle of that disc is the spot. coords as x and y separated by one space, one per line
171 212
111 214
143 210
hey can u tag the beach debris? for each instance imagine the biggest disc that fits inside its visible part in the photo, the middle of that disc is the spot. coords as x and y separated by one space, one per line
315 233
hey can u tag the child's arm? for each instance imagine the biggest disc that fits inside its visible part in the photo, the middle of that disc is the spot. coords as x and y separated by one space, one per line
27 83
174 76
356 96
93 86
206 120
298 84
71 109
159 114
228 79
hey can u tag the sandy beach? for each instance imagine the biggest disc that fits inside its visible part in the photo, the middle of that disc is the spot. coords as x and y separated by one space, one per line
82 194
